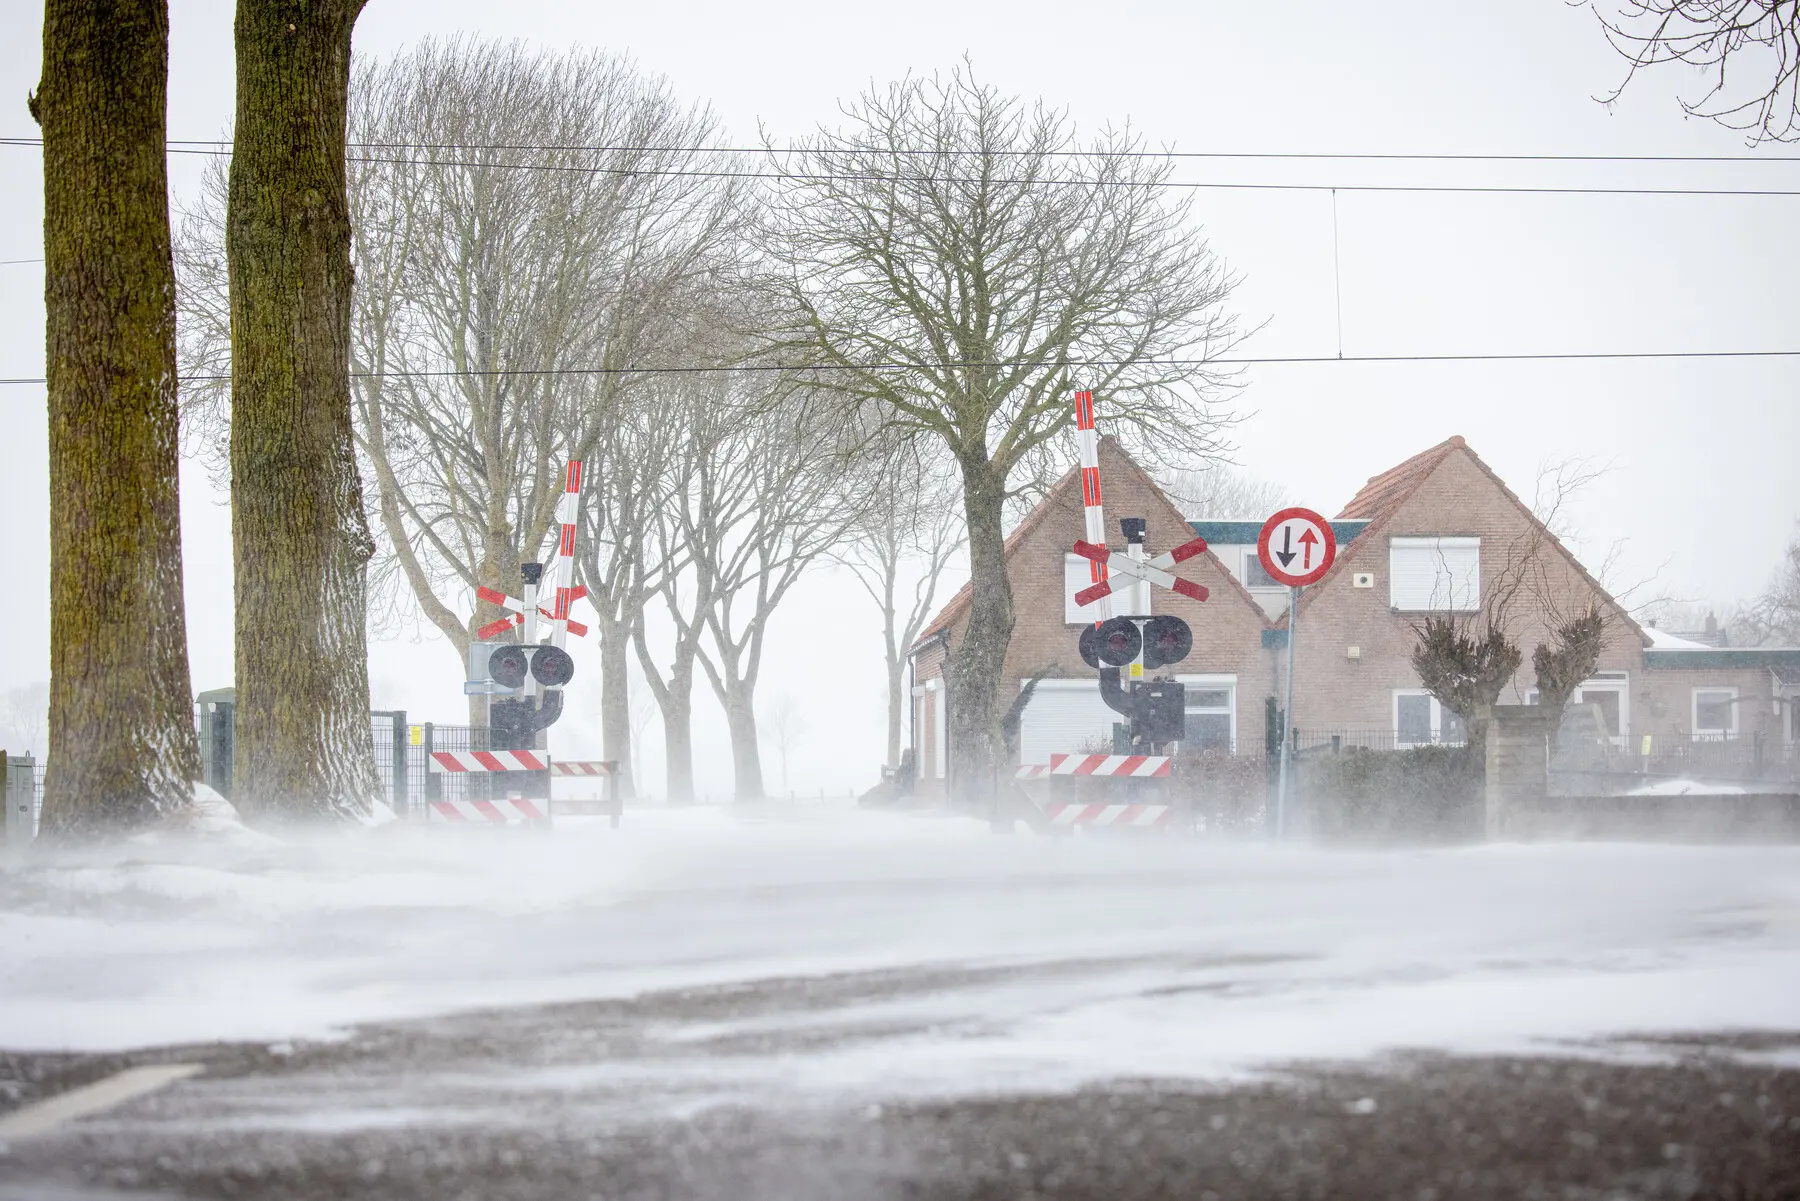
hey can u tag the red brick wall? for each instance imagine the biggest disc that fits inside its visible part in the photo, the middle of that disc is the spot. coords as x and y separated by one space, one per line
1227 626
1459 499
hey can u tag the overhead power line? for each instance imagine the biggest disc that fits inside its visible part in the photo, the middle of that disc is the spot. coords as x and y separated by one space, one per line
1228 361
941 152
215 149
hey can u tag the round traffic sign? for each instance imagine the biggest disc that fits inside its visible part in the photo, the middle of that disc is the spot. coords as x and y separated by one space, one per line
1296 547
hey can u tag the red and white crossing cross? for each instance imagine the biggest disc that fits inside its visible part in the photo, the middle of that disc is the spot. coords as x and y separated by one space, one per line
1296 547
562 575
1155 569
1088 439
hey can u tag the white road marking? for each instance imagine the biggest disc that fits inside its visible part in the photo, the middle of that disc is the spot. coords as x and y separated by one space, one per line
45 1116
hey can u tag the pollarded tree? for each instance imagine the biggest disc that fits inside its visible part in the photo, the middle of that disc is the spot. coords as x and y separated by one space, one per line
956 261
122 745
300 539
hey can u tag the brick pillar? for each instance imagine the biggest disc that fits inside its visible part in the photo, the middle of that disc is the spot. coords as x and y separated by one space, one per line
1518 763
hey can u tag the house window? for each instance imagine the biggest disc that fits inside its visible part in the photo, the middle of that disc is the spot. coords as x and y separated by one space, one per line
1434 575
1211 723
1129 599
1715 712
1255 575
1419 720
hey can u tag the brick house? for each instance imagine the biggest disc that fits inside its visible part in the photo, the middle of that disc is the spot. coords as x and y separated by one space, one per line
1439 531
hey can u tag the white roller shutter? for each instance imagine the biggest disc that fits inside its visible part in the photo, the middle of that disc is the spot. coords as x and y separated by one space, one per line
1063 717
1130 599
1435 574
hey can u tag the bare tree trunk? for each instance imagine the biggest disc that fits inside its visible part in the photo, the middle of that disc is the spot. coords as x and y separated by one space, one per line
122 742
746 754
300 538
675 697
615 702
977 662
896 678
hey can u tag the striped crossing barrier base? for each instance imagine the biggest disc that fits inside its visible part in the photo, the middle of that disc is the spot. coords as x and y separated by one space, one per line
490 813
1108 815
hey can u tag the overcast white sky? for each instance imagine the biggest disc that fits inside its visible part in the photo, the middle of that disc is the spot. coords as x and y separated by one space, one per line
1703 487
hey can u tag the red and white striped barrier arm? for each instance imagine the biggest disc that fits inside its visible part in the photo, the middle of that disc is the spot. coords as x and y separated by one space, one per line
493 813
1088 439
1142 766
582 767
1033 771
1146 569
478 761
1108 815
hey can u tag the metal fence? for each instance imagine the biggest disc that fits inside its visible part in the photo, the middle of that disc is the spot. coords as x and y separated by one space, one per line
402 759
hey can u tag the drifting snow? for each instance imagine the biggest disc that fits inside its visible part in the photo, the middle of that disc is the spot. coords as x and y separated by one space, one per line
1136 956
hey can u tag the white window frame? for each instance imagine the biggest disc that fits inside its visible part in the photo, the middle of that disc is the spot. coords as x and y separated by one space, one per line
940 729
1251 557
1214 683
1129 598
1711 732
1468 601
1437 718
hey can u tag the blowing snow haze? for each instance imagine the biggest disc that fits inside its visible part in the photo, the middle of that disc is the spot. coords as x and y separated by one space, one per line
702 606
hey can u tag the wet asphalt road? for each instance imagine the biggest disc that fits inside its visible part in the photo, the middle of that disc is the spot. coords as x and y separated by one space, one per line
595 1100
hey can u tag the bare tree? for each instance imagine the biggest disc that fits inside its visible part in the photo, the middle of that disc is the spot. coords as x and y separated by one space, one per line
25 717
778 494
527 228
898 550
1758 39
1773 619
782 725
1223 492
956 261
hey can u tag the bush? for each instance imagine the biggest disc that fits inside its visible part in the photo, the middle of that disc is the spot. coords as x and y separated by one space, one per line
1226 792
1429 793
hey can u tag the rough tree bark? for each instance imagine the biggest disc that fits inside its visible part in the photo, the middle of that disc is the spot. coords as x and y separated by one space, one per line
122 744
301 542
976 661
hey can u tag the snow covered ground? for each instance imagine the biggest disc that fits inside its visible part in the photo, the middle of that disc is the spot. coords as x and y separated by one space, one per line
1121 956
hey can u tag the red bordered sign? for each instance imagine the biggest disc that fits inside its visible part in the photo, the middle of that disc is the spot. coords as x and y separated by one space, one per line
1296 547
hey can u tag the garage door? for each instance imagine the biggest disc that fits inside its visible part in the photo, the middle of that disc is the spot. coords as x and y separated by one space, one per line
1064 716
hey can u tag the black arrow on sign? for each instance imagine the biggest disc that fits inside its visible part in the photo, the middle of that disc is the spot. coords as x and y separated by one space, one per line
1287 552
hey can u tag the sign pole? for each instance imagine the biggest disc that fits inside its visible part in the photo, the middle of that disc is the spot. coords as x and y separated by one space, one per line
1293 534
1287 717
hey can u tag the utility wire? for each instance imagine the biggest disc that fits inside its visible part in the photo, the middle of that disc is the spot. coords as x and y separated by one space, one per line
1226 361
16 262
1194 185
1290 156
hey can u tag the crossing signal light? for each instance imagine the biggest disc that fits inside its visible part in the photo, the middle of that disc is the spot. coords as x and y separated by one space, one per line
1167 639
550 666
1114 642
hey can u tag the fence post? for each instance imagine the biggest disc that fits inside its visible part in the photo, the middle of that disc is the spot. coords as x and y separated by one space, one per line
401 800
433 783
223 721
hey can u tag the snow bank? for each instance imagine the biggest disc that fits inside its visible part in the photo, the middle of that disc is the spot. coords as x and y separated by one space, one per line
1128 956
